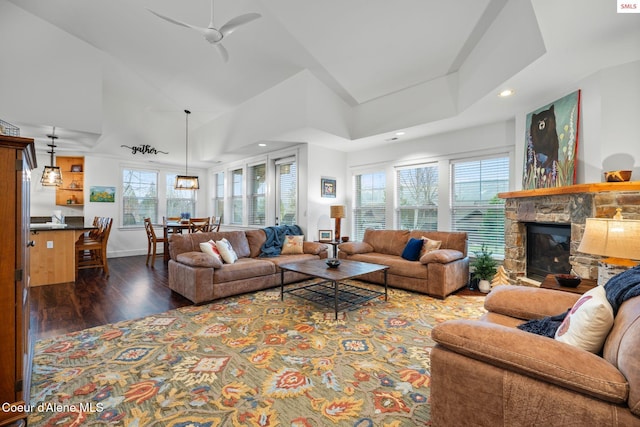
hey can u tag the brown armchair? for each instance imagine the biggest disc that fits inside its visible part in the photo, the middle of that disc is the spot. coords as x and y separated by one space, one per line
487 372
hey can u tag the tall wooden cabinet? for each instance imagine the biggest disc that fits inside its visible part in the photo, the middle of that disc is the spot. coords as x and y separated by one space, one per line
17 158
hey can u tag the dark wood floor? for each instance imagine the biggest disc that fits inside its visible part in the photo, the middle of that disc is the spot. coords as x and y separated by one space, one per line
132 290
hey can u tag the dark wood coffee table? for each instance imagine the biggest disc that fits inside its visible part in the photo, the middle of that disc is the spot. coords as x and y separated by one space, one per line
331 291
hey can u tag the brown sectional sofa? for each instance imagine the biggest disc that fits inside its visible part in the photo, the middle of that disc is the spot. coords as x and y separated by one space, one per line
438 273
201 278
488 373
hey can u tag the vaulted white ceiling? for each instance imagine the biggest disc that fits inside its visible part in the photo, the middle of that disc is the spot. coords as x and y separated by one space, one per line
343 73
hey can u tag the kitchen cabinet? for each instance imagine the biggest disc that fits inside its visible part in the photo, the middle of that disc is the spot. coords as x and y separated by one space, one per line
17 158
71 192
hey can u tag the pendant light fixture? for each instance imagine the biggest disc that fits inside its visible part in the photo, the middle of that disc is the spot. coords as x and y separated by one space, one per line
186 181
51 175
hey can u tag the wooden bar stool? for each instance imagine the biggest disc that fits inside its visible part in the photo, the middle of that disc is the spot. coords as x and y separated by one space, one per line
91 249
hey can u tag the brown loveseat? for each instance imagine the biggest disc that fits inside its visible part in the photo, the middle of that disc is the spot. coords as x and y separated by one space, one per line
437 273
489 373
200 277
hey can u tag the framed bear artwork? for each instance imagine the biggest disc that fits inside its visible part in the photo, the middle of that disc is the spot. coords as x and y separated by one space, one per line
552 143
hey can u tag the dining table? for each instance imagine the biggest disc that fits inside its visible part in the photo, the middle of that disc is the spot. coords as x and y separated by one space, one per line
170 227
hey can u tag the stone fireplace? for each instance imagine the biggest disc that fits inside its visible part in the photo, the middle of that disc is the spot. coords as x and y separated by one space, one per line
565 207
548 249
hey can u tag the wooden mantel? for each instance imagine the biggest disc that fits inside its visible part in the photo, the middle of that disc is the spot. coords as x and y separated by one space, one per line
596 187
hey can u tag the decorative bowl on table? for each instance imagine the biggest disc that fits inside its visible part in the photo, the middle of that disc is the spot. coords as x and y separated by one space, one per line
333 262
568 280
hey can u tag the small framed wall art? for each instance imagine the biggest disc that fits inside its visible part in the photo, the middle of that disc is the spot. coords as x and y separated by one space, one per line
325 235
102 194
328 187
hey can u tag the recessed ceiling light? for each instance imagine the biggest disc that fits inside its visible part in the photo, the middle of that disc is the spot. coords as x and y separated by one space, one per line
400 133
262 144
506 92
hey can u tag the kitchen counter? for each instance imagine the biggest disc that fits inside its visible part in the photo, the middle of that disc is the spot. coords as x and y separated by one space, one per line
52 256
54 227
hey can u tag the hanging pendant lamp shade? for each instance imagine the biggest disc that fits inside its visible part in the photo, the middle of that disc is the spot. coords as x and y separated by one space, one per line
51 175
186 181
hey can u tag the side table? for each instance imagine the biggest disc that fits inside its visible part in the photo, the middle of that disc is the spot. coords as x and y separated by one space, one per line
585 285
333 243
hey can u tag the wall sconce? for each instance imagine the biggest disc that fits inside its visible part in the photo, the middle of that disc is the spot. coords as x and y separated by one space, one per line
186 181
337 212
51 175
615 238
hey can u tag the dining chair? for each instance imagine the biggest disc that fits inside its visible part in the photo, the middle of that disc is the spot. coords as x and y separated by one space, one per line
152 242
91 248
199 224
165 220
215 223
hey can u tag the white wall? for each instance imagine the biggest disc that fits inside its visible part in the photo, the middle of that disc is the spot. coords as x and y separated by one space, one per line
326 163
608 135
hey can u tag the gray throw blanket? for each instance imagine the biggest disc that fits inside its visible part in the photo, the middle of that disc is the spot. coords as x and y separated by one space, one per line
619 288
275 238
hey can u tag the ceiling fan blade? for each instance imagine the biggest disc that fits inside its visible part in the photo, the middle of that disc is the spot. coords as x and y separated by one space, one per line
234 23
173 21
223 52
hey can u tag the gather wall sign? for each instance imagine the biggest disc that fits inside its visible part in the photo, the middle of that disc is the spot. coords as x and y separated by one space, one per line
144 149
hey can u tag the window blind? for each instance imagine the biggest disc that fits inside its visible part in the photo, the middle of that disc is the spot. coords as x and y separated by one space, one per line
139 197
287 176
256 199
370 203
475 206
179 201
417 198
218 197
236 196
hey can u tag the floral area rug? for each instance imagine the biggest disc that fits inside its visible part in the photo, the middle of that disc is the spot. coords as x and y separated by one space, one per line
250 360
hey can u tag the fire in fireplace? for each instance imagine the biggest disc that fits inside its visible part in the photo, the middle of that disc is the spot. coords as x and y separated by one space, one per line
548 249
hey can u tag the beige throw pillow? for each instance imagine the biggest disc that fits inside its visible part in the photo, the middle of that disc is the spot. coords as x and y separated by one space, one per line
226 251
292 245
429 245
589 321
210 248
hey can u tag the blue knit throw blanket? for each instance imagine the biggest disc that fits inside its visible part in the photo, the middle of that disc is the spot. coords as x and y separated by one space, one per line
275 238
619 288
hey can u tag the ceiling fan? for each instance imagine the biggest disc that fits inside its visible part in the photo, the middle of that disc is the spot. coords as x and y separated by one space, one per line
214 35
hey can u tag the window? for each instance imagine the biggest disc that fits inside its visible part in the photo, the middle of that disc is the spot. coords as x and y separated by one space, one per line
139 197
179 201
475 206
286 191
236 196
257 189
417 198
370 200
218 197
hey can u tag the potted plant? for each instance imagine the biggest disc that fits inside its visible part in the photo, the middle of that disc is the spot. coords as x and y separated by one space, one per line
484 268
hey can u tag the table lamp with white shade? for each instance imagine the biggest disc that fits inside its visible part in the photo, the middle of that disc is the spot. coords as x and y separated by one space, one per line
615 238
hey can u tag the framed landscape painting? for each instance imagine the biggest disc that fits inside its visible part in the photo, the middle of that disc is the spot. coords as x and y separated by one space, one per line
551 144
102 194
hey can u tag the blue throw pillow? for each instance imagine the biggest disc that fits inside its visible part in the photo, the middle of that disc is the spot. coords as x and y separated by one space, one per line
411 252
